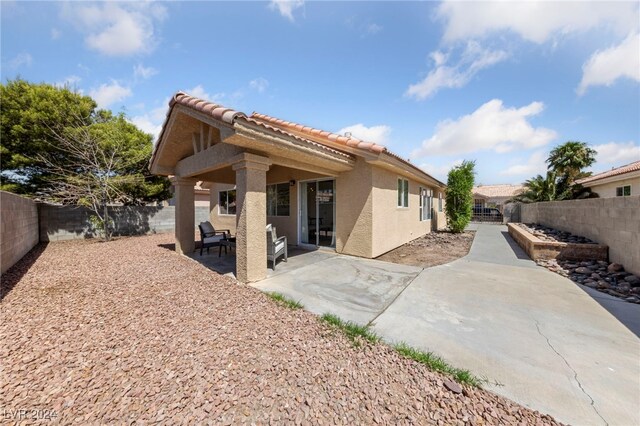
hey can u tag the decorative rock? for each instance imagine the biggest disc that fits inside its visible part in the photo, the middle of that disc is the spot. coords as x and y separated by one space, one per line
452 386
583 270
633 280
615 267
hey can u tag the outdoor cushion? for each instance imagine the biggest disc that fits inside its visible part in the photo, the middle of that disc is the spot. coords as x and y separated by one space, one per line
207 228
214 239
279 246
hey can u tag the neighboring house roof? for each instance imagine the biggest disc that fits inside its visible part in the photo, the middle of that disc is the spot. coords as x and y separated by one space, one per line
199 189
617 172
497 191
318 138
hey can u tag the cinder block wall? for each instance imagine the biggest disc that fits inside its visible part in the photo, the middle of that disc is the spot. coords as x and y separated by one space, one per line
58 223
611 221
18 227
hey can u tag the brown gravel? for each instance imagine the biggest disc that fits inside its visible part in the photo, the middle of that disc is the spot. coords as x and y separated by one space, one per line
435 248
129 331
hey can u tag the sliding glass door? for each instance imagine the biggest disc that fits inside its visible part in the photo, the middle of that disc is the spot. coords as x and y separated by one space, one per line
318 213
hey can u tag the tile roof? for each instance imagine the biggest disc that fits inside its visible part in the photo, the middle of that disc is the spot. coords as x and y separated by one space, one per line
319 134
217 111
316 137
491 191
628 168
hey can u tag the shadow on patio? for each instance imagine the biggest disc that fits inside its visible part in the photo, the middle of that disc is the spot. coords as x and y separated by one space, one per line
225 264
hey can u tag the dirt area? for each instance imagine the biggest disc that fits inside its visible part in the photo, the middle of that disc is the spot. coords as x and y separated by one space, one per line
435 248
130 332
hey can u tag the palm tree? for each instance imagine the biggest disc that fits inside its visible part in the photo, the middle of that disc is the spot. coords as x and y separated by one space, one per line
539 189
568 160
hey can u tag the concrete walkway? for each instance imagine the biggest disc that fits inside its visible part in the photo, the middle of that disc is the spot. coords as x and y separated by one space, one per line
539 338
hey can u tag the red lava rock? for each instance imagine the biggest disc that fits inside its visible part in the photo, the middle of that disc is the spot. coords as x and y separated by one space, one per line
130 332
453 386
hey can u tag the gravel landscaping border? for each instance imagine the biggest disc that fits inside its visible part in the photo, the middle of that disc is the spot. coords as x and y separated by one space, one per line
129 331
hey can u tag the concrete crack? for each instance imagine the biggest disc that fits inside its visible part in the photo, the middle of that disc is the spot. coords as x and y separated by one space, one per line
575 373
372 322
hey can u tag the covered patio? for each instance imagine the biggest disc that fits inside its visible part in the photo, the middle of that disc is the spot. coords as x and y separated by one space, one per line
202 141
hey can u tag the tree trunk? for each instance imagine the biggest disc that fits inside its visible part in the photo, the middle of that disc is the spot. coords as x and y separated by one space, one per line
107 233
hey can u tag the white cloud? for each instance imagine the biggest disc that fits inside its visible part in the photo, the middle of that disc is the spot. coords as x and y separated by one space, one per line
21 59
199 92
490 127
536 21
259 84
604 67
440 171
536 164
617 153
151 122
118 29
376 134
473 59
70 82
108 94
144 72
286 7
371 29
55 33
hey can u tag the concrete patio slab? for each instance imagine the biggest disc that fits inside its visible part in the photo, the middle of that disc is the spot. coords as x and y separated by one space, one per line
354 289
543 341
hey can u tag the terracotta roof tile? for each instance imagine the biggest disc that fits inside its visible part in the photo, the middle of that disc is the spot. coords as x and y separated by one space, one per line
628 168
490 191
217 111
318 133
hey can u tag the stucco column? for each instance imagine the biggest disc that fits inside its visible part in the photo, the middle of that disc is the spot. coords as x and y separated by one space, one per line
251 218
185 215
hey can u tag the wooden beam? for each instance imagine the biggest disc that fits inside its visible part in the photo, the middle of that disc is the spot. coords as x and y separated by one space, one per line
193 141
218 156
209 131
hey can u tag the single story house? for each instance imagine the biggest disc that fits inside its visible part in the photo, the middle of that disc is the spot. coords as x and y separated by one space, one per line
622 181
495 196
201 195
318 188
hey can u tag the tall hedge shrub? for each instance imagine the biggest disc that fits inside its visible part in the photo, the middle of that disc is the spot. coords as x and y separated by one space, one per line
459 196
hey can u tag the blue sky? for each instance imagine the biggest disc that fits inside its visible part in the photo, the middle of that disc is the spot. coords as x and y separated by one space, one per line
436 82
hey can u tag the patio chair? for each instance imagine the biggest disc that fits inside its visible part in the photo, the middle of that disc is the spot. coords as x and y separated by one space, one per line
211 237
276 247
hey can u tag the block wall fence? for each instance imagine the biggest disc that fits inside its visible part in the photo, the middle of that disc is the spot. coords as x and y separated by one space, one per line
25 223
614 222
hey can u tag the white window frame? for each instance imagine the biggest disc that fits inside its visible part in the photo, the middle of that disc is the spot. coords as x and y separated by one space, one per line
426 203
276 193
622 188
402 193
226 191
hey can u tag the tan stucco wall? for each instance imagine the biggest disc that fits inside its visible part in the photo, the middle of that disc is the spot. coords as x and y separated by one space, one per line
611 221
608 190
393 225
354 211
220 221
201 200
19 228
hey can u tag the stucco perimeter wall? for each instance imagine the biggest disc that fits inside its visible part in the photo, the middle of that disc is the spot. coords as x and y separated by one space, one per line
19 227
354 212
393 225
58 223
608 190
614 222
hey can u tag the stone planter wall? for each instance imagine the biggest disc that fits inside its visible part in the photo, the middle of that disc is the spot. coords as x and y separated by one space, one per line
545 250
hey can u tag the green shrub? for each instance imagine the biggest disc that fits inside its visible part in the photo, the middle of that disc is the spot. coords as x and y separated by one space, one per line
459 196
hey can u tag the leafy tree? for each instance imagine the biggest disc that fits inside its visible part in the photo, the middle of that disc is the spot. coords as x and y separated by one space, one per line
37 121
569 159
103 165
539 188
27 113
459 196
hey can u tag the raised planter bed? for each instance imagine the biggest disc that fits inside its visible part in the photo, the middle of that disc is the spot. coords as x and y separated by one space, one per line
538 249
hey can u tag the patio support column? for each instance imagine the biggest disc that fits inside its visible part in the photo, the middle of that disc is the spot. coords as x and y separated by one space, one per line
185 215
251 218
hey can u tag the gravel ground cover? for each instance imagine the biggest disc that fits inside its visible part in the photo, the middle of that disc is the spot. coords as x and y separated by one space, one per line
553 235
128 331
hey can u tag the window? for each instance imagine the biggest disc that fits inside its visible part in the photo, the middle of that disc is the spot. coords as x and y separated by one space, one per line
278 199
440 201
426 203
623 191
227 202
403 193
